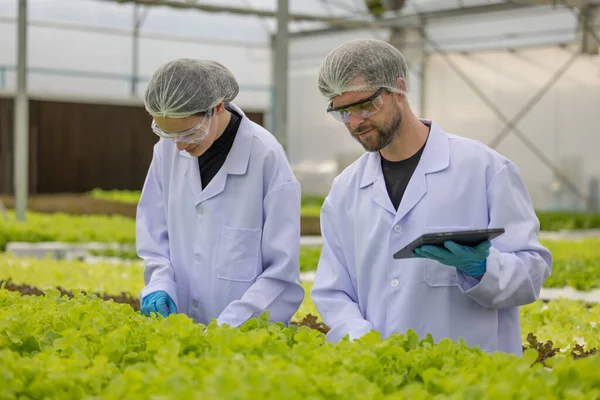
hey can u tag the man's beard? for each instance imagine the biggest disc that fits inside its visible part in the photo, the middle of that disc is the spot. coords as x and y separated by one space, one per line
381 137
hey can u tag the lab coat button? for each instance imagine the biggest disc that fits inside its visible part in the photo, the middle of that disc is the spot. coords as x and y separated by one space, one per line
395 283
200 212
195 304
397 228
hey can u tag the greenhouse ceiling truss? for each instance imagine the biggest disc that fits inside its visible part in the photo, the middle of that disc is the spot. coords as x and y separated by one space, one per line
584 9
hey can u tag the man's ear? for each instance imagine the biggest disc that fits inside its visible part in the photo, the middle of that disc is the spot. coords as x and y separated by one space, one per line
219 108
401 84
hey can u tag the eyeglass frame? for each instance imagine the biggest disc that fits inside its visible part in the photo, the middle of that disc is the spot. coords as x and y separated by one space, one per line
371 99
181 136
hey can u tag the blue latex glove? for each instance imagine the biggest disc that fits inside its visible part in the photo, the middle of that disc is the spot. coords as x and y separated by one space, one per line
158 302
470 260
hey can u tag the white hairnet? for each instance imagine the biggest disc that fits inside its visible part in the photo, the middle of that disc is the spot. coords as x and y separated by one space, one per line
379 63
185 87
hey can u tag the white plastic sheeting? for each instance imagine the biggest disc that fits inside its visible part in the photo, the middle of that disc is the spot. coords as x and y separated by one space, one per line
67 58
560 125
564 125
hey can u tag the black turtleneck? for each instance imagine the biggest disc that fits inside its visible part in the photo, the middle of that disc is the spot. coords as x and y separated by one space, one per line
211 161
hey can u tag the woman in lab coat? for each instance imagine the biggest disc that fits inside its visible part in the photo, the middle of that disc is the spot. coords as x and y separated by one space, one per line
415 178
218 222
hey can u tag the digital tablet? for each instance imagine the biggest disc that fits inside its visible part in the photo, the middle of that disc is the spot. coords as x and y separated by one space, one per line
467 238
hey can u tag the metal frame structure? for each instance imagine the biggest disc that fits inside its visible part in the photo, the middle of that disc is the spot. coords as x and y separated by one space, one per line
589 38
588 33
3 211
21 136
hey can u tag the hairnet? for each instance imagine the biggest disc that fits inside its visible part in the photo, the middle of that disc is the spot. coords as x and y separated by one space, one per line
184 87
379 63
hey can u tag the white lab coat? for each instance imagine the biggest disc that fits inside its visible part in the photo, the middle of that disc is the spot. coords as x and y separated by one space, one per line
230 251
458 184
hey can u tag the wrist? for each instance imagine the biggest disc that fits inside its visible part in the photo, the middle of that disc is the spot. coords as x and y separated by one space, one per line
477 272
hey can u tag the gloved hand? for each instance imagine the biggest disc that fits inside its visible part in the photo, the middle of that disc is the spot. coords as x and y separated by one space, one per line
158 302
470 260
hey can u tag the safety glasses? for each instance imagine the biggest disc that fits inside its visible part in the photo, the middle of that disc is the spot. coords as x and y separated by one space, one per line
192 135
363 108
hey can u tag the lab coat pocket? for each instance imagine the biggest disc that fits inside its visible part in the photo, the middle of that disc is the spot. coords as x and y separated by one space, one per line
436 273
237 254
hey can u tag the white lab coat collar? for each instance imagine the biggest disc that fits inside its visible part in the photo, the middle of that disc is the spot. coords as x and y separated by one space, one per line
435 157
239 155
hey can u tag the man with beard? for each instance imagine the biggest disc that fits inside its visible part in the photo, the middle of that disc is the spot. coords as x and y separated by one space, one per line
415 178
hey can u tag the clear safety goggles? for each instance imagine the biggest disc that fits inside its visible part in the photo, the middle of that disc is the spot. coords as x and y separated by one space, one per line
192 135
362 109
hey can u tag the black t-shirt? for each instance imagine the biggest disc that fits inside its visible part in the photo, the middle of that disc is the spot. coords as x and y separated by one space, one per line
397 174
211 161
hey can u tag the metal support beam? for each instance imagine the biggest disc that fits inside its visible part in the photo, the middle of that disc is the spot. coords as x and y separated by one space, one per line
135 53
502 117
3 211
159 36
21 120
594 204
280 73
415 56
416 20
401 37
556 3
587 21
138 20
336 21
511 125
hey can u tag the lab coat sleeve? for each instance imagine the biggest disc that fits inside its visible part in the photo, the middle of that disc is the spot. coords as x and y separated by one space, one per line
152 241
333 293
277 289
518 264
